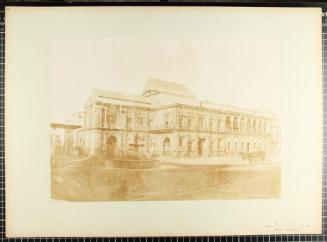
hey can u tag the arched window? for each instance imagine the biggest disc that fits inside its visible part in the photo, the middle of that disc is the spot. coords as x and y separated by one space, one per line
235 124
228 124
166 146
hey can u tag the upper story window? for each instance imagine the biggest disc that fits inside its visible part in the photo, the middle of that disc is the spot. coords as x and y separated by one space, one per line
254 126
166 120
181 121
112 118
235 124
248 126
189 122
150 122
103 116
218 124
228 124
140 120
211 123
201 122
129 120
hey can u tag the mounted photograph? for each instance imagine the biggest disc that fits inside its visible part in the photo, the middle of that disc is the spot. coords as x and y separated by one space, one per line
122 134
163 121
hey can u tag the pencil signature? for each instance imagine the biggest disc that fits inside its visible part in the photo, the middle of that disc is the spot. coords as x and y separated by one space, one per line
291 226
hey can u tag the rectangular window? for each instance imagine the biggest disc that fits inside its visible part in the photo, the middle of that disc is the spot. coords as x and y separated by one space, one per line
211 123
103 116
180 120
140 120
201 123
112 119
189 122
129 120
166 120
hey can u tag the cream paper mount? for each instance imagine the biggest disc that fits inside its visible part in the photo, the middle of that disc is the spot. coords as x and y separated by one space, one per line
163 121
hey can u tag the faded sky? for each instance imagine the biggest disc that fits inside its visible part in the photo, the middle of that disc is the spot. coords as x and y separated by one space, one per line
229 71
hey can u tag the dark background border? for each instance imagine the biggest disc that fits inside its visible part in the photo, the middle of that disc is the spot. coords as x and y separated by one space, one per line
257 3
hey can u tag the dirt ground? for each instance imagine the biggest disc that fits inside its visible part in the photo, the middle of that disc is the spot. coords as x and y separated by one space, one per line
105 183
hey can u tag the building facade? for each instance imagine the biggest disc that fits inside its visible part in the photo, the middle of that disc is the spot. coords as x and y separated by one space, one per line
168 121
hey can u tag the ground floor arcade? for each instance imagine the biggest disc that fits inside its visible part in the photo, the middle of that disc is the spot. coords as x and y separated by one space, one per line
170 144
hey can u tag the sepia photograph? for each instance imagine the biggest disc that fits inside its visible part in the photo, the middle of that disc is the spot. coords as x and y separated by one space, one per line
163 121
135 128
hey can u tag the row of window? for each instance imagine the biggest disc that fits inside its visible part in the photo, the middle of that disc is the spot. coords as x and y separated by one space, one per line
246 125
112 119
245 147
253 126
236 124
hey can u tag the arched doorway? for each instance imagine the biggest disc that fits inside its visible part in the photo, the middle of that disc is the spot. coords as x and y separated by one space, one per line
112 146
166 146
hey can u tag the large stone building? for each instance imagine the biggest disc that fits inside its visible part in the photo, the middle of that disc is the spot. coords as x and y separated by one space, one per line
167 120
